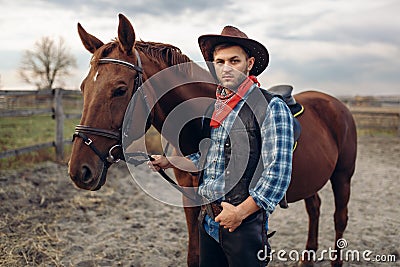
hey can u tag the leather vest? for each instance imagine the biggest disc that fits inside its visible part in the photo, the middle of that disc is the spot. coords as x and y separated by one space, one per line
242 148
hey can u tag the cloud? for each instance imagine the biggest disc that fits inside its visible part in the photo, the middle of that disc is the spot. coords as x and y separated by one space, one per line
336 44
143 7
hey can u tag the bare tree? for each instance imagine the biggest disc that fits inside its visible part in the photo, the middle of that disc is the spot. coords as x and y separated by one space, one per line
47 63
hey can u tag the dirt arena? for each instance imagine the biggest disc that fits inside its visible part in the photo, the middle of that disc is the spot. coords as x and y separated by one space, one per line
46 221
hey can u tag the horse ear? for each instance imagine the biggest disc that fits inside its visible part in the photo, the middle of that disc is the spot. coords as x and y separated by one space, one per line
90 42
126 34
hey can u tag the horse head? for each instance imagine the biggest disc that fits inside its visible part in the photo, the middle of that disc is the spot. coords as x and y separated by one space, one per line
107 90
117 70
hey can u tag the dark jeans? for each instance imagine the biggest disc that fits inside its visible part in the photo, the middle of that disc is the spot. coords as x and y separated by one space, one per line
240 248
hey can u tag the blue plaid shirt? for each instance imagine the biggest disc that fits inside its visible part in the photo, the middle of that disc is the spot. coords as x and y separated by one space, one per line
276 153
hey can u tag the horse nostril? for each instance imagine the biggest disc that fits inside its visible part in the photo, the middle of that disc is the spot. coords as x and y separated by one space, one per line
86 175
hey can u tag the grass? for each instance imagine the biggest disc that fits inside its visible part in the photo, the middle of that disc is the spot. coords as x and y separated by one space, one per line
17 132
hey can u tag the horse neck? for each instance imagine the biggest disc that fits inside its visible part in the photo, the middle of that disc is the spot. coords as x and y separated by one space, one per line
178 102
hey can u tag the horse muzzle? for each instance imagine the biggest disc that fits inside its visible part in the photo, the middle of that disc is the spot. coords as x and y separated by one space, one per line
90 173
86 177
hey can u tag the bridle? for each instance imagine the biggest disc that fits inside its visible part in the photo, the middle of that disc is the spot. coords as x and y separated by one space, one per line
108 159
82 130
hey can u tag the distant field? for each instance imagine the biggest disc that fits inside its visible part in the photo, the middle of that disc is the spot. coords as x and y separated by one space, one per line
23 131
19 132
377 121
372 118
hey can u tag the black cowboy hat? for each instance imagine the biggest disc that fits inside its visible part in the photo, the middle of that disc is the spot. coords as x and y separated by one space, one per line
232 34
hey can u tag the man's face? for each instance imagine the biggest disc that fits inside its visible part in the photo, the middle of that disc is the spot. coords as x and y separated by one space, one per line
232 66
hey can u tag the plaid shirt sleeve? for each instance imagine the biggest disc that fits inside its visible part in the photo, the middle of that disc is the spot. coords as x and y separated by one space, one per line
195 157
276 152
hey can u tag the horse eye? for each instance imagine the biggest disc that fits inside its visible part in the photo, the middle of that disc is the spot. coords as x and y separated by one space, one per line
120 91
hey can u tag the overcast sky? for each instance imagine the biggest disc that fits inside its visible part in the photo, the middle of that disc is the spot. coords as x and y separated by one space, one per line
342 47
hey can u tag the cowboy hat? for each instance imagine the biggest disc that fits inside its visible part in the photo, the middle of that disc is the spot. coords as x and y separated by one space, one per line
232 34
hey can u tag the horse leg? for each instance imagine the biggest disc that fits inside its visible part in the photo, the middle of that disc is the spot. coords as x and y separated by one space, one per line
192 214
313 205
341 189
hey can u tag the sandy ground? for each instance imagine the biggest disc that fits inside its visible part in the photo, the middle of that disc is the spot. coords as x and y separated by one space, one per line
46 221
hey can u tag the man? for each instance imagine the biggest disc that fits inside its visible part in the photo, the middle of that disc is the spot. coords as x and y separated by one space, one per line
246 168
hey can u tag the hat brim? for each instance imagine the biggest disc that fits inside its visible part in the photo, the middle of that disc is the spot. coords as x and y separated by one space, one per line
208 42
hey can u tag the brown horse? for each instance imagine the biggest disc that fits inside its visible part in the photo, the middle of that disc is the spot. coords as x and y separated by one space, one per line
326 148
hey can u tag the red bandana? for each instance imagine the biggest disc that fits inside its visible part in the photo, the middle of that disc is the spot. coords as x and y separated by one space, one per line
225 104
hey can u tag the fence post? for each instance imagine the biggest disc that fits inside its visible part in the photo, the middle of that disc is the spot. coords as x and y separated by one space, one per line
59 117
398 124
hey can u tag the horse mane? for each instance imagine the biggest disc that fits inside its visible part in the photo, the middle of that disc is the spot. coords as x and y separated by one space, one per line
167 53
157 52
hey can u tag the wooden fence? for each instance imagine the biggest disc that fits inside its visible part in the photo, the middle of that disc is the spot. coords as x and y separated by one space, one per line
377 121
12 104
371 113
375 114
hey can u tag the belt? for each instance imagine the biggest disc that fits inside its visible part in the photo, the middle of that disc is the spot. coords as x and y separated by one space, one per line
214 209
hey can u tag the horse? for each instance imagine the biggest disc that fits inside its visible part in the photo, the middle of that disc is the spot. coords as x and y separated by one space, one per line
326 149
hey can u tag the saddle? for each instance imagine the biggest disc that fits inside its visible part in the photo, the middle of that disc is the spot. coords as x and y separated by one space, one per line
285 92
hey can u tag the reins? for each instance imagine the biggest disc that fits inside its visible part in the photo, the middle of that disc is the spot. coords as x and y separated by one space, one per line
132 159
109 159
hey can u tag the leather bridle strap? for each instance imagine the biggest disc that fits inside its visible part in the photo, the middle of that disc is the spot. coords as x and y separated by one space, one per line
138 68
89 143
96 131
82 130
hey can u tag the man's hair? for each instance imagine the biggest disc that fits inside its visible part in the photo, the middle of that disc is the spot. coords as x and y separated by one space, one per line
230 44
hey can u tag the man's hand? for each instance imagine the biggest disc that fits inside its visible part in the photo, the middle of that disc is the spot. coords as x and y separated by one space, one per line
229 218
181 163
159 162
